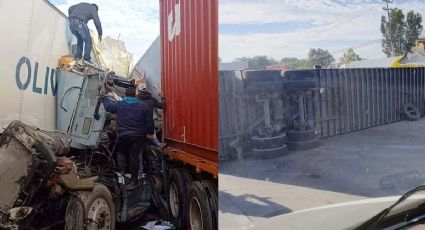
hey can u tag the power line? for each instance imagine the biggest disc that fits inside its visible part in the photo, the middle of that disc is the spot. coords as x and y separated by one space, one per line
334 24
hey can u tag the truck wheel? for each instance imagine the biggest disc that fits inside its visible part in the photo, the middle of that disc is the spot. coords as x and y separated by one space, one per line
179 185
200 207
303 145
213 191
305 135
91 210
269 142
265 154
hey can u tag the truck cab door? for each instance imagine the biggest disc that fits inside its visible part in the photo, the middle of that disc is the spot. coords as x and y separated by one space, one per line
78 94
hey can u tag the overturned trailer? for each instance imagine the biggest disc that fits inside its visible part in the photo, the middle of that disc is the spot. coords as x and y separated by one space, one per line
305 105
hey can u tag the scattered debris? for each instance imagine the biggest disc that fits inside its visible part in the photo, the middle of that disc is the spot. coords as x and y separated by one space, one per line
70 64
19 213
158 225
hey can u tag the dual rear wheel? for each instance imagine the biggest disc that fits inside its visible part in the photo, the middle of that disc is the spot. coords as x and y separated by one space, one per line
193 204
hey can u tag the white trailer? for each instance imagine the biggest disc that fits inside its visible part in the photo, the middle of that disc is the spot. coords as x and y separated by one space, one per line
34 35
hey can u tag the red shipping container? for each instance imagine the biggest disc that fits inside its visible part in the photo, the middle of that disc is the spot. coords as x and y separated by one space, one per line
189 76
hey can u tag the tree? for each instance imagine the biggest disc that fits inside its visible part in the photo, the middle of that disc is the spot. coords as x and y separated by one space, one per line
413 29
305 64
350 56
399 36
258 62
295 63
290 62
393 42
320 57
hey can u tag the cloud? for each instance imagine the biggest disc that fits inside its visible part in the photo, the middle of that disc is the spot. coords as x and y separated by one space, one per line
136 22
333 25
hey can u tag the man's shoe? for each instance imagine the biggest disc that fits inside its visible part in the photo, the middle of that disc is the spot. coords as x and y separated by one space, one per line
89 61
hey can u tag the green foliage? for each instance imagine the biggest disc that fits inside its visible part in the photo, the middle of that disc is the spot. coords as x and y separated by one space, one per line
350 56
413 29
294 63
403 31
320 57
258 62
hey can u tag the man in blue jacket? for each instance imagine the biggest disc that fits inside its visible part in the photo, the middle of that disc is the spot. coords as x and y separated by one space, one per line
79 15
135 127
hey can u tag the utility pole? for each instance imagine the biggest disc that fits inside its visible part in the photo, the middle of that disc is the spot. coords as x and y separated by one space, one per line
388 9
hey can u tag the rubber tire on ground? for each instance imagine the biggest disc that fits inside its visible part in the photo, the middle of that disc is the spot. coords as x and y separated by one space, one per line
265 154
303 145
79 205
305 135
269 142
408 108
201 202
180 179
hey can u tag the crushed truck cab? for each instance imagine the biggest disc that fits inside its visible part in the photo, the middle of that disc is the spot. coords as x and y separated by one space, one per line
67 178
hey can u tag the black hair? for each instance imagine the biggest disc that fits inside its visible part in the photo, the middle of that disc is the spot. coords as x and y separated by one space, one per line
97 8
130 92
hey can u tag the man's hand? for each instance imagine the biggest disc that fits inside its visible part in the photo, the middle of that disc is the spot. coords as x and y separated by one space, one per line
100 38
160 94
149 136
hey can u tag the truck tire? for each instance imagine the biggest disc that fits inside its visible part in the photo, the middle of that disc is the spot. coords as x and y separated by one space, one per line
200 207
179 184
411 112
265 154
91 210
303 145
213 191
305 135
269 142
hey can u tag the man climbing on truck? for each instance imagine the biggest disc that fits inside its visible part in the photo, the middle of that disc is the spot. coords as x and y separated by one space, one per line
135 127
79 15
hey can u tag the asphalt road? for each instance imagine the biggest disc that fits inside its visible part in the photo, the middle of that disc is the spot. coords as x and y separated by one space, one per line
381 161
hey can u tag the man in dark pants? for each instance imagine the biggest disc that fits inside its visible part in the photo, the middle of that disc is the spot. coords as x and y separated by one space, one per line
79 15
145 96
151 102
135 127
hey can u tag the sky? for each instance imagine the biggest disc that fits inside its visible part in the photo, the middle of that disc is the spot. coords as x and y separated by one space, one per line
289 28
276 28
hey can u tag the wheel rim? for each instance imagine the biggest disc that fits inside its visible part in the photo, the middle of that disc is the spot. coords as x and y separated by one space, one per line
99 215
195 214
174 200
